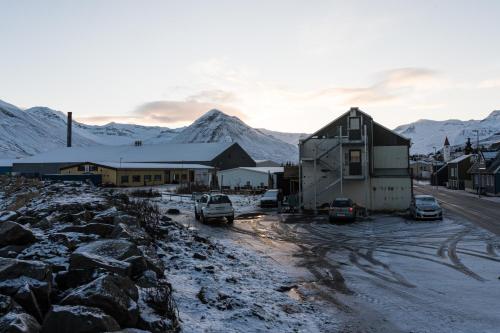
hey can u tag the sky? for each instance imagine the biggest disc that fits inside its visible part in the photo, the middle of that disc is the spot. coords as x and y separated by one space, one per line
283 65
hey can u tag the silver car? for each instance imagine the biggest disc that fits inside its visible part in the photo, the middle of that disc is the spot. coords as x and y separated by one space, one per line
213 205
425 207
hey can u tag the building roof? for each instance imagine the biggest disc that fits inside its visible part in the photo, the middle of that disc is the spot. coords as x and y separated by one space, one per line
149 166
168 152
460 159
265 170
446 142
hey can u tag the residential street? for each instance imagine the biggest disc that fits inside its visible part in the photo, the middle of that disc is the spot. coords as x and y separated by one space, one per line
386 273
484 212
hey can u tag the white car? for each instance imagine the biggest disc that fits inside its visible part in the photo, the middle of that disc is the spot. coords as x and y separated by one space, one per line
269 199
213 205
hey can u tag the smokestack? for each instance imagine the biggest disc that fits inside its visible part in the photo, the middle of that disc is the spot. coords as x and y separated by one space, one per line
70 114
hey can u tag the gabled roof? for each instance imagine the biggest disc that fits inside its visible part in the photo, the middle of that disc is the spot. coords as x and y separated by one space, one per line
460 159
343 115
265 170
163 153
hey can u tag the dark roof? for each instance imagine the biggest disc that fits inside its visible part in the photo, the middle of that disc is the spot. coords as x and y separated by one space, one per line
446 142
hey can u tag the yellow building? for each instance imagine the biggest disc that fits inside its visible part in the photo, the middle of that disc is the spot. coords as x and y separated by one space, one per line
142 174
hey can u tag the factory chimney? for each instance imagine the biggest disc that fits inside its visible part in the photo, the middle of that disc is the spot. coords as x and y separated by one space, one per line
70 114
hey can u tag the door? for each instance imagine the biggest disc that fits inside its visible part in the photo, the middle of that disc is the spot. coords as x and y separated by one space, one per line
355 162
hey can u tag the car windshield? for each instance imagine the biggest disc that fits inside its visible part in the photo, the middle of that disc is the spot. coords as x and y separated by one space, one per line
341 203
425 201
219 199
270 194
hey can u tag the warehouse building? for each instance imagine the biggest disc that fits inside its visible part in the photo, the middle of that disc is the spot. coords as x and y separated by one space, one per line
355 157
250 178
142 174
220 156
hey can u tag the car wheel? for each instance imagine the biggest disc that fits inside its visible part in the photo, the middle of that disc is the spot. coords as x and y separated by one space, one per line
230 219
331 219
196 215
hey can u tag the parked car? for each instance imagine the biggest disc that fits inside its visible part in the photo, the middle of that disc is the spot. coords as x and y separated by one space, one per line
214 205
425 207
342 209
269 199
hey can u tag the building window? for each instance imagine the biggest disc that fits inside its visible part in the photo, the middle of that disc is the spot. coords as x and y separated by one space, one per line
354 123
355 162
147 178
81 168
92 168
157 177
124 179
136 179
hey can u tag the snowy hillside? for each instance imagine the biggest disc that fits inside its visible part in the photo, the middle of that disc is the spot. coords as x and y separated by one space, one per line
291 138
426 134
216 126
24 133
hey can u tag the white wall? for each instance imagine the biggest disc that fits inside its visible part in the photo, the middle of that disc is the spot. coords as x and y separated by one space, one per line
390 157
239 178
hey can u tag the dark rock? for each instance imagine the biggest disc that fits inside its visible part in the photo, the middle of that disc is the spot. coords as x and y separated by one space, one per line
85 215
131 232
173 211
72 239
118 249
26 220
12 233
8 215
6 304
199 256
78 319
12 251
165 218
74 278
100 229
149 279
117 296
106 216
19 323
27 299
126 219
89 261
138 265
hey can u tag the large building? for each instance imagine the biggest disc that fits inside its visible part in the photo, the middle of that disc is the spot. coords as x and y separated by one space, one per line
142 174
220 156
355 157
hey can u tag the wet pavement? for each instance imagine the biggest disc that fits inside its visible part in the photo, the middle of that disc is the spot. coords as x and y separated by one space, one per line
385 273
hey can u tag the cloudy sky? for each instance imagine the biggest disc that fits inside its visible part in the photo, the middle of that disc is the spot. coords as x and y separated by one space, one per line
282 65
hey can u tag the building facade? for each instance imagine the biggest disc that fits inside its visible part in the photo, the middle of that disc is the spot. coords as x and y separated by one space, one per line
249 178
457 172
355 157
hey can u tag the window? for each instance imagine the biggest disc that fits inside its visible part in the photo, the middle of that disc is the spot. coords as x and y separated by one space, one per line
157 177
124 179
81 168
354 123
92 167
136 179
147 178
355 162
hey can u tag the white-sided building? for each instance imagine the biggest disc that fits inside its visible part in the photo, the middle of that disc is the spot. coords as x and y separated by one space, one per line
355 157
249 177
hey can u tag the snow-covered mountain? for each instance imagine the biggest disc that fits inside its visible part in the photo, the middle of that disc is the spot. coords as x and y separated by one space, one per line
216 126
38 129
291 138
24 133
427 134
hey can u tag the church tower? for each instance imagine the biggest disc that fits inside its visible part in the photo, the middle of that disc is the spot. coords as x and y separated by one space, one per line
446 151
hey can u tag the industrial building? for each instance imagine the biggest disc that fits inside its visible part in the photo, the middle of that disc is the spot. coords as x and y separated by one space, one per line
250 178
142 174
355 157
220 156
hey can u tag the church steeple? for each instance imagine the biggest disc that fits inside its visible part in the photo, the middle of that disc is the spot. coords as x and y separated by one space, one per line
446 150
446 142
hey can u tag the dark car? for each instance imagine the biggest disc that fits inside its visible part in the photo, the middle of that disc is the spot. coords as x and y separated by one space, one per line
342 209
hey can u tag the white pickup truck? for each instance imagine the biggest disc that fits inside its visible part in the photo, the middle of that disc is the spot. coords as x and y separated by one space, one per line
213 205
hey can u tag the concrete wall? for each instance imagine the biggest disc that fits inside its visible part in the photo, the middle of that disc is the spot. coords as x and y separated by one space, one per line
239 178
390 157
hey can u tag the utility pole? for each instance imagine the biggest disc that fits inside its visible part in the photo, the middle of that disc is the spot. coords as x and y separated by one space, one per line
478 154
434 167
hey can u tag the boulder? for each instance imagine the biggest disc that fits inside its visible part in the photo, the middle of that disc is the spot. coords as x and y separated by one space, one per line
26 220
73 278
137 234
89 261
119 249
106 216
116 296
12 233
149 279
173 211
19 323
12 251
78 319
100 229
27 299
7 215
71 239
